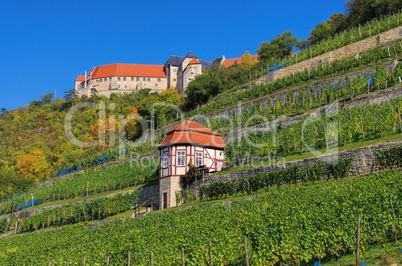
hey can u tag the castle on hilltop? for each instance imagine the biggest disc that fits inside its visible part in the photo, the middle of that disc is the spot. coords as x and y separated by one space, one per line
176 73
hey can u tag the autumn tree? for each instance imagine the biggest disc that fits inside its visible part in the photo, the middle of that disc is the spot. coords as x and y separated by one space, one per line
34 165
133 127
247 61
105 132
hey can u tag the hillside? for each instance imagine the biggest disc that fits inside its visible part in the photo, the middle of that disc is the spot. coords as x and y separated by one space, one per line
280 201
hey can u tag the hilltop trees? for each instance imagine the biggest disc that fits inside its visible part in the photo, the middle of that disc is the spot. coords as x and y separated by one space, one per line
361 11
278 48
326 29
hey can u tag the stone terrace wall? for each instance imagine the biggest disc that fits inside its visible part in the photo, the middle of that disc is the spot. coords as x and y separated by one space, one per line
363 159
149 195
341 53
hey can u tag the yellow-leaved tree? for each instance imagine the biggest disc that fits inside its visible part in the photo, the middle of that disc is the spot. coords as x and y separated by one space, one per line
105 132
247 61
34 165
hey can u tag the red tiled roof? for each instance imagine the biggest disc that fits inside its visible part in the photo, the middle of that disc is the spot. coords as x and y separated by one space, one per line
80 78
128 70
189 132
233 61
194 61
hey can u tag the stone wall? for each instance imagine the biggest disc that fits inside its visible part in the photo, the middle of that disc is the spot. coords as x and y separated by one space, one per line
363 160
149 196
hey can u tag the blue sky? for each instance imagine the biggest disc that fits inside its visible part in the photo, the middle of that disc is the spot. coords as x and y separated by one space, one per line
46 44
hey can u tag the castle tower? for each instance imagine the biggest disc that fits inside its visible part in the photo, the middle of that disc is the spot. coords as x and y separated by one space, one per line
187 141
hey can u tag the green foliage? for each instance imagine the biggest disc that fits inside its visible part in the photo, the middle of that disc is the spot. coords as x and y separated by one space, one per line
326 29
293 226
187 179
70 214
278 48
361 11
389 158
11 182
289 175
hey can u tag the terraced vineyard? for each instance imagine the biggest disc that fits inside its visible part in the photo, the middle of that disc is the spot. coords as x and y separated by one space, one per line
89 183
291 225
311 218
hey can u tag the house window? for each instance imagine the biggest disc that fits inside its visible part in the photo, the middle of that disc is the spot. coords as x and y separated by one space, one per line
174 70
165 160
125 86
159 79
180 158
110 78
149 79
105 79
118 86
124 78
118 78
132 78
198 159
144 79
137 79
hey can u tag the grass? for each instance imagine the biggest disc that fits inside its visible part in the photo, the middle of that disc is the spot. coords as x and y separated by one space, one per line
384 255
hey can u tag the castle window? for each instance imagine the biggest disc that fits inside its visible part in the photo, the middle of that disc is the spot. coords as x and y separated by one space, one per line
198 159
181 156
124 79
165 159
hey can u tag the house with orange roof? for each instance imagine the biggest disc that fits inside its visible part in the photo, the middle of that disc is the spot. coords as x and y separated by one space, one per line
124 78
188 141
232 61
121 78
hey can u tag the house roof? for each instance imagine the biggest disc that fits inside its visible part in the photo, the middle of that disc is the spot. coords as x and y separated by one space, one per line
189 132
175 60
80 78
190 55
128 70
233 61
194 61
